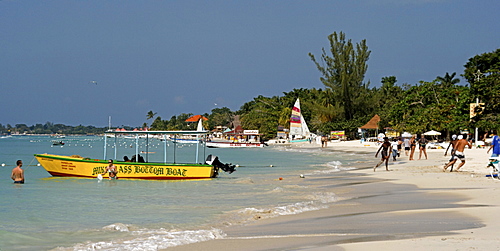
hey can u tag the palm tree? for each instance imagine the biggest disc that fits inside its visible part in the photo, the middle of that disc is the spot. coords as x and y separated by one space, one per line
448 80
149 116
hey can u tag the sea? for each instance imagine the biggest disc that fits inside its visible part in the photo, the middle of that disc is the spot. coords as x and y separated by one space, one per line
60 213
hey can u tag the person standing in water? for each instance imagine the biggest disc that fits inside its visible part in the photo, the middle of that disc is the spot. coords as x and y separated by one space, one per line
111 170
386 148
18 173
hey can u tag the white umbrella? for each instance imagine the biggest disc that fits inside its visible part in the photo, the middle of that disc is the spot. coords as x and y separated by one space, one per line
406 135
432 133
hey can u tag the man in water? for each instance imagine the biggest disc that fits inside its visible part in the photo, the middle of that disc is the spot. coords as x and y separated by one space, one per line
18 173
111 170
386 148
459 152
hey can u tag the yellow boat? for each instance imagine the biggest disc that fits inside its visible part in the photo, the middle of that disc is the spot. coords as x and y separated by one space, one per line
77 166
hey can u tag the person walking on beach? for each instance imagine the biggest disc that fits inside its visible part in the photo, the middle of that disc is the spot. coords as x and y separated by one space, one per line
422 143
452 152
459 152
452 144
111 170
400 146
18 173
386 148
413 145
495 145
406 143
395 145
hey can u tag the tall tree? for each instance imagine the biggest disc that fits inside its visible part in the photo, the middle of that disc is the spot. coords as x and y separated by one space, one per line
149 116
343 72
431 106
448 80
220 117
483 74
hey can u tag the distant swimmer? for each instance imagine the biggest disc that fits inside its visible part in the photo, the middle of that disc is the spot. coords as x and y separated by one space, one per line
18 173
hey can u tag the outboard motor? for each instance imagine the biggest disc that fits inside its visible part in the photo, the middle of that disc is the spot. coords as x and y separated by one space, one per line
214 161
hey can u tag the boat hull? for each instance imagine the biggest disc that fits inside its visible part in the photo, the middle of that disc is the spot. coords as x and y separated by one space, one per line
232 144
76 166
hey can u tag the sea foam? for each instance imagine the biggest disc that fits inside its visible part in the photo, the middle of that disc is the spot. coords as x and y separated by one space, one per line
147 239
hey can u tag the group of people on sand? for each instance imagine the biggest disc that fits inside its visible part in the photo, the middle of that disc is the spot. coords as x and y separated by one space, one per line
457 145
396 146
410 145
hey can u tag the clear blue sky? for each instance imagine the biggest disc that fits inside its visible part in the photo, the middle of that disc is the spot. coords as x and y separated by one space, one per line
175 57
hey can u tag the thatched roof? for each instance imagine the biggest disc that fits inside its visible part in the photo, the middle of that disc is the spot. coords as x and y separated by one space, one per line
373 123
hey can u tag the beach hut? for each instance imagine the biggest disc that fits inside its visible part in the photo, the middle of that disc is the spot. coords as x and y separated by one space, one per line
372 125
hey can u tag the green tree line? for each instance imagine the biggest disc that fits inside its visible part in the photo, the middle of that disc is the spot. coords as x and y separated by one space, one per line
50 128
347 102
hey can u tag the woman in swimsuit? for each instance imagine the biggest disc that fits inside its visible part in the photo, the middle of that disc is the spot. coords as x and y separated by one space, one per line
422 143
413 145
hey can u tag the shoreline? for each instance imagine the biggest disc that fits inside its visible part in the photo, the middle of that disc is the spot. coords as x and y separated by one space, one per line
414 206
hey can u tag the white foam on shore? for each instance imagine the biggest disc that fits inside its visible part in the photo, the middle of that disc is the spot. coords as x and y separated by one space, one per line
333 167
154 239
317 201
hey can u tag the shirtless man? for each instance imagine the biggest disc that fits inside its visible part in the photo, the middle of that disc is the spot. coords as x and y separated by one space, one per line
459 152
386 148
111 170
18 173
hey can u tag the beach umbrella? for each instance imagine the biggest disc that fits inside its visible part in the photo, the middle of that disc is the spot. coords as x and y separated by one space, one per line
432 133
406 135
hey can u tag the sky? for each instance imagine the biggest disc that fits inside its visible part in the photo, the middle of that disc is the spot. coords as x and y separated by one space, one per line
81 62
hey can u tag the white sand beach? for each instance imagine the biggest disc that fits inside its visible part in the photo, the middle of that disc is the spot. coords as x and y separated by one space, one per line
415 206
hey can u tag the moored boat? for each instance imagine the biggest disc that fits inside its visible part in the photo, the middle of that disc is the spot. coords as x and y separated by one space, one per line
299 131
77 166
243 139
57 143
221 144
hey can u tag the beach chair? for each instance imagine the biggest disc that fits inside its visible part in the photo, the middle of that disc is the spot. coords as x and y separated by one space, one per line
494 172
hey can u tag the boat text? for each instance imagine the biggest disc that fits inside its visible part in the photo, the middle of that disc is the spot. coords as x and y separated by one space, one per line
144 170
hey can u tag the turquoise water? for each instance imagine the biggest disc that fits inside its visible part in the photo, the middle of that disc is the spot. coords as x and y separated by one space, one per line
81 214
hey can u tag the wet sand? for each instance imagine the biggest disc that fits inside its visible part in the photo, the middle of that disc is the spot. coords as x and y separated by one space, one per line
415 206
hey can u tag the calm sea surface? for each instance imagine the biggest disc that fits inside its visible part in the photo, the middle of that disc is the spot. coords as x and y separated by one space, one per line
85 214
